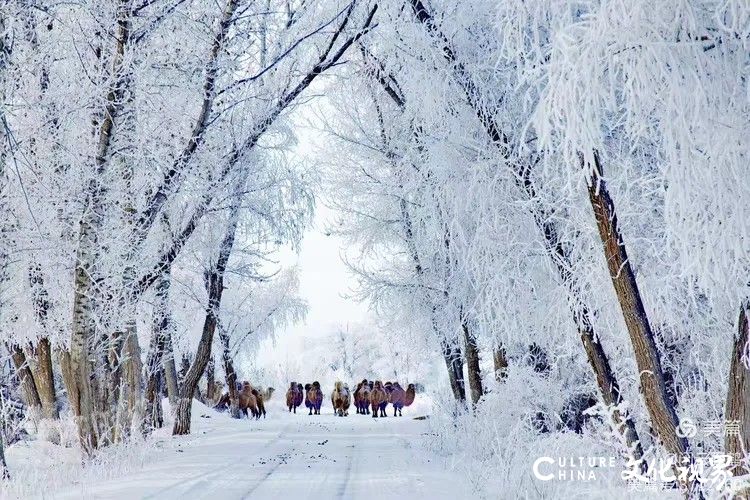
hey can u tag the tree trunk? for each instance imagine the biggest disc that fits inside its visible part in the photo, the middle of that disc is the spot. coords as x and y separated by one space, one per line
521 170
738 395
215 288
40 363
28 387
230 375
210 380
184 368
500 363
190 383
162 325
170 370
153 417
160 358
92 379
131 405
455 364
71 387
653 385
472 364
4 472
40 356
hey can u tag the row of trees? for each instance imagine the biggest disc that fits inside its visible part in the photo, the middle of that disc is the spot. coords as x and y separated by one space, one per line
567 176
143 167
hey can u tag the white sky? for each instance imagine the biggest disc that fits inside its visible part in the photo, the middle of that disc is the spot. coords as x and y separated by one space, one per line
324 279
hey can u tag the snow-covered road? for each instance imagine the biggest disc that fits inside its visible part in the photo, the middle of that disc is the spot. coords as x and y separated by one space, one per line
287 456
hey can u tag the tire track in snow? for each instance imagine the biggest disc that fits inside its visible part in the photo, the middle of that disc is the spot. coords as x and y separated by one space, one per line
344 486
219 473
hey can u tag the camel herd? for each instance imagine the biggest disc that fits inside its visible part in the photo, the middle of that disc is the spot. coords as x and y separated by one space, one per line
367 394
251 401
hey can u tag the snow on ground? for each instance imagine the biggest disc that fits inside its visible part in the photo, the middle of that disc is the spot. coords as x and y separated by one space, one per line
284 456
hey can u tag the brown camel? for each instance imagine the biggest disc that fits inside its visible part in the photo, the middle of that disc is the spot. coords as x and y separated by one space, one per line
294 396
397 397
261 397
378 399
340 399
308 402
362 397
248 400
410 395
315 397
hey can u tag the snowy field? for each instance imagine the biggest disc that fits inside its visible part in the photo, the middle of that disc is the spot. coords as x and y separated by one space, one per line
284 456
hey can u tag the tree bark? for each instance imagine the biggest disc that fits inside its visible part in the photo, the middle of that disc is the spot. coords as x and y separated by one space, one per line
215 288
160 358
162 324
210 380
153 417
521 171
40 363
230 375
184 368
472 364
95 417
131 405
455 364
40 356
738 395
71 387
170 370
4 471
653 385
500 361
28 387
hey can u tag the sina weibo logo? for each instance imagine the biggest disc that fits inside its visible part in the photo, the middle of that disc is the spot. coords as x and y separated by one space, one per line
570 468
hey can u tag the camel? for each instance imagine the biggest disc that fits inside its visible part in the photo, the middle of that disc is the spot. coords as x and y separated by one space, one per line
218 393
378 399
294 396
362 397
253 399
397 397
248 400
268 393
308 403
300 394
224 402
315 397
340 399
410 395
260 397
388 386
